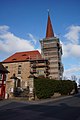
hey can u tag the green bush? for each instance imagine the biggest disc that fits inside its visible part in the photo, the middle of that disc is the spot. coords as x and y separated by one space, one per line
75 87
45 88
66 87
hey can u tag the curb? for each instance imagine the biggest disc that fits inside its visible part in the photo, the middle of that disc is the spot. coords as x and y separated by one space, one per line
43 101
6 102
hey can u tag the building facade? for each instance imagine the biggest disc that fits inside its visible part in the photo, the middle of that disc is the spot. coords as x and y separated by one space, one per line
22 65
51 50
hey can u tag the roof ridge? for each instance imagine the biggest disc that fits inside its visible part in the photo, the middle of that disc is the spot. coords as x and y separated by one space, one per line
27 51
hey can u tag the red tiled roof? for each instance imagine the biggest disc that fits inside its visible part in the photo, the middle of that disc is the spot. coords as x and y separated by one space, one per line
23 56
49 30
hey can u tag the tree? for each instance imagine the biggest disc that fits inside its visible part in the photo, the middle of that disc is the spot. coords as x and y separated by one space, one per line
79 82
64 78
73 78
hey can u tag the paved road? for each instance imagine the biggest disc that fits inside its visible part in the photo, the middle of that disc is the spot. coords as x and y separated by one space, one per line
62 109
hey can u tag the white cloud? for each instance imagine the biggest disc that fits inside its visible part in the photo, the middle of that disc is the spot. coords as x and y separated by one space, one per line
72 70
72 46
75 50
3 29
71 50
33 39
74 34
9 43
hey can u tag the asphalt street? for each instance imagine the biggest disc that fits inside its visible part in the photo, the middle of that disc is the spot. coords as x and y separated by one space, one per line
59 109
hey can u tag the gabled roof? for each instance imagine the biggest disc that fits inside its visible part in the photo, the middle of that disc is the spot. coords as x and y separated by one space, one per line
23 56
49 30
3 69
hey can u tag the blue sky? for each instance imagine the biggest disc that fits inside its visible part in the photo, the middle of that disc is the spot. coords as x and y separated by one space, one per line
23 24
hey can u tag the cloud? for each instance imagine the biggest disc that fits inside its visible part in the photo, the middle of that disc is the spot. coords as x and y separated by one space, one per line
9 43
72 46
73 34
72 71
71 50
3 29
33 39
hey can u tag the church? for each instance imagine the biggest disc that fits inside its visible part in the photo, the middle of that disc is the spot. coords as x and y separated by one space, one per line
24 65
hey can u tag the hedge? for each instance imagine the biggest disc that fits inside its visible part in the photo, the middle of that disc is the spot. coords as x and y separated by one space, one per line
45 88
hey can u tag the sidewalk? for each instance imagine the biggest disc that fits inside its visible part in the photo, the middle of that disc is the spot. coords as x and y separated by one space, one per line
4 102
34 102
42 101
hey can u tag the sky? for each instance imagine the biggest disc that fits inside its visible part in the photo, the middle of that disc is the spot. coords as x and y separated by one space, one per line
23 23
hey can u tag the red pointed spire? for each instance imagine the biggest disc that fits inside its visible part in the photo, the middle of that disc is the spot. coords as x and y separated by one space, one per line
49 30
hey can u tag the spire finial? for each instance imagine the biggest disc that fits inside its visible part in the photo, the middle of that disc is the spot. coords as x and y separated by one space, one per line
48 11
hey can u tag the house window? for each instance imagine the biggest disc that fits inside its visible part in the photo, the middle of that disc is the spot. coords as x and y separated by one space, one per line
19 69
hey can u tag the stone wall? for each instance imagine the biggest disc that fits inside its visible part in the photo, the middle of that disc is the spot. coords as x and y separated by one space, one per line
13 69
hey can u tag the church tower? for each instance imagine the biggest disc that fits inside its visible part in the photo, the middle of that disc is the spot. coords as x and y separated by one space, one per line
51 49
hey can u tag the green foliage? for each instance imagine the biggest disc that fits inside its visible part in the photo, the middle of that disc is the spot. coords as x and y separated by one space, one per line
75 87
66 87
45 88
